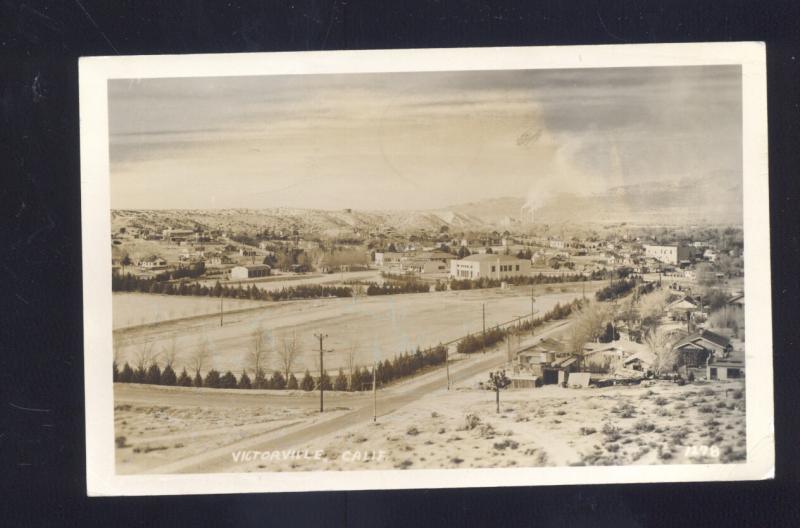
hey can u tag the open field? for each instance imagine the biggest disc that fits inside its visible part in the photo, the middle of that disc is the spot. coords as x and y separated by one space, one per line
148 436
371 327
652 423
134 309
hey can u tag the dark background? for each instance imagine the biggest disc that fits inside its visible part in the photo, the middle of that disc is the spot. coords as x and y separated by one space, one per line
42 460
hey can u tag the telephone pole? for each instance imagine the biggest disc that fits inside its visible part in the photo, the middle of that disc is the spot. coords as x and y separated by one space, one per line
533 300
374 394
447 364
220 307
321 336
483 307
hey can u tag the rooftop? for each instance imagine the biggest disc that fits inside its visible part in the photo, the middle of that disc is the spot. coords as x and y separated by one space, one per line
492 257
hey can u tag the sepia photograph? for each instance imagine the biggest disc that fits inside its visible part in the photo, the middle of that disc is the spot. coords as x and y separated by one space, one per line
426 268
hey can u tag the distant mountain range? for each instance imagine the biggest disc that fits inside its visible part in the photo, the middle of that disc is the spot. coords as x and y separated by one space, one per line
716 199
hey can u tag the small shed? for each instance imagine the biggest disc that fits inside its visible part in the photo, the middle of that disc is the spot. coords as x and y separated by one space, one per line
525 381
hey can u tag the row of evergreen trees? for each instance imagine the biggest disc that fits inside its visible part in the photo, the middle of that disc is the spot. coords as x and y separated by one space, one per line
618 289
523 280
477 342
130 283
404 365
397 287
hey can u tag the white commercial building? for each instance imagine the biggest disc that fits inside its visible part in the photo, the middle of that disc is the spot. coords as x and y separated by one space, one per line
250 272
491 266
672 254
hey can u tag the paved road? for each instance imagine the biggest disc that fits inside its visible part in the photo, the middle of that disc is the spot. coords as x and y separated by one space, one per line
388 401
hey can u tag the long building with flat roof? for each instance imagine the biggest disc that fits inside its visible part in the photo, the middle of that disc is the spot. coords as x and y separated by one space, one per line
491 266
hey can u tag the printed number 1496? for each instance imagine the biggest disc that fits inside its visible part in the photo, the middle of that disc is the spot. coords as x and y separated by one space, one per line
702 450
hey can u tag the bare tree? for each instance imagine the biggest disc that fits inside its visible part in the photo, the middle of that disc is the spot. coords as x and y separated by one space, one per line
665 357
588 326
258 350
351 363
171 353
200 355
652 308
288 354
145 357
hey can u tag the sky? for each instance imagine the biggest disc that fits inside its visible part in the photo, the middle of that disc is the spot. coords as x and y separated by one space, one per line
417 140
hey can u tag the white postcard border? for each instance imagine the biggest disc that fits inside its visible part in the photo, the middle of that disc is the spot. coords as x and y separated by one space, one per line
94 74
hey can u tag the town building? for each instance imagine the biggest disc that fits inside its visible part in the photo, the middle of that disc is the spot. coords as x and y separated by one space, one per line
490 266
250 272
152 262
387 258
426 262
669 254
177 235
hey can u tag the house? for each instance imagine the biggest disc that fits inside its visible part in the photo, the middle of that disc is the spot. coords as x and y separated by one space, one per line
668 254
724 368
696 349
737 300
152 262
490 266
680 309
559 370
640 361
546 350
250 272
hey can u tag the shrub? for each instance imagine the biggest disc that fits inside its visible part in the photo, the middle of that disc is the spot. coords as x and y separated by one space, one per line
612 433
586 431
278 382
308 382
340 384
661 401
228 381
412 431
643 426
126 375
706 409
120 441
153 375
292 383
184 380
471 421
212 379
244 381
198 380
168 376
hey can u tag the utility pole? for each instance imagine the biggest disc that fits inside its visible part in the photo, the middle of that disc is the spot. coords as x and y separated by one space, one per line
321 336
374 394
483 307
220 307
447 364
533 300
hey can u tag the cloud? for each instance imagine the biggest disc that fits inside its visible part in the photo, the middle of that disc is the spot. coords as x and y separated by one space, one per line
410 140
